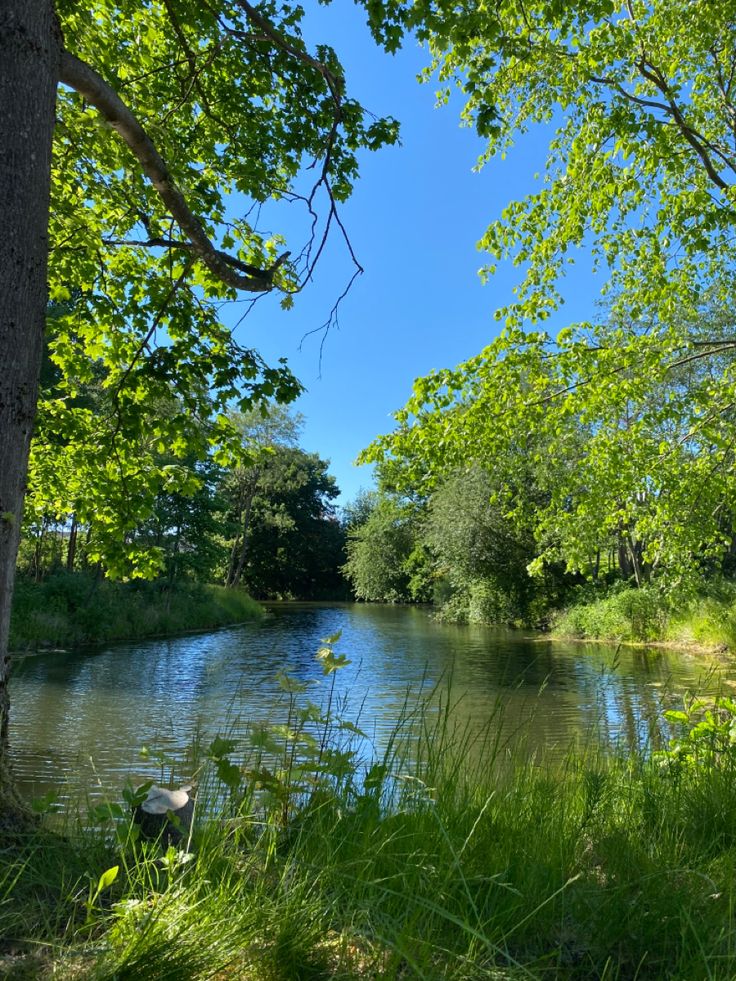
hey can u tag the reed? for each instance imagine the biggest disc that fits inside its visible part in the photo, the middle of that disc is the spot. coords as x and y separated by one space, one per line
447 855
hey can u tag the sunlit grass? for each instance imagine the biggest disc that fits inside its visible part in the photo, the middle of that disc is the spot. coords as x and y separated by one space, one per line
68 610
644 615
447 857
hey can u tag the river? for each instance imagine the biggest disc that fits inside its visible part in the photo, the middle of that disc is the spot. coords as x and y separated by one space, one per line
80 719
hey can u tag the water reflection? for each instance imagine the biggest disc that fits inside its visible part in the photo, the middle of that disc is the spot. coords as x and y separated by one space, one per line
78 720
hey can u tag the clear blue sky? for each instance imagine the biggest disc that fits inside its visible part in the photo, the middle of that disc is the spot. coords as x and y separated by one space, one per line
414 220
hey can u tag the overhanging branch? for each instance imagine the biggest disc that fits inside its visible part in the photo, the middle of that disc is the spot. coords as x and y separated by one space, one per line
170 243
85 80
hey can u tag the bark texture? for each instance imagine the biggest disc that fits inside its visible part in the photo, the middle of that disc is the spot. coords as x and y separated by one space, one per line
30 47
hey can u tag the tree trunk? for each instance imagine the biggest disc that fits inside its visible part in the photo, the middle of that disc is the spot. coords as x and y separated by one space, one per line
238 573
30 46
38 552
233 560
71 551
237 559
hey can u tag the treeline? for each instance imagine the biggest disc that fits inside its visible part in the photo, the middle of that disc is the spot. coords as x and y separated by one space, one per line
265 523
550 471
455 550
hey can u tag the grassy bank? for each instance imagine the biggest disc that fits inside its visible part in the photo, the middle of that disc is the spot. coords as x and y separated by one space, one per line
73 610
307 862
643 615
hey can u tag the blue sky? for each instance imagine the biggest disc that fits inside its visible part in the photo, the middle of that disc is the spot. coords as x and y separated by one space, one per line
414 220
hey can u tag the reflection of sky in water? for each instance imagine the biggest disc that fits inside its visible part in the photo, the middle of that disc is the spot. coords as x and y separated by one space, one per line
80 718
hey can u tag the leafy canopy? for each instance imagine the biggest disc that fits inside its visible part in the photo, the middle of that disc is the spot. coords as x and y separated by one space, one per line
638 99
240 112
626 422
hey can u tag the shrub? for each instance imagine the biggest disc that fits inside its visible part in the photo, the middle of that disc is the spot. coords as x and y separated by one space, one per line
628 614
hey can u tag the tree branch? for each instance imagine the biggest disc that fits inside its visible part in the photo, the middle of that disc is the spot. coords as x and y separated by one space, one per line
696 141
157 242
334 83
85 80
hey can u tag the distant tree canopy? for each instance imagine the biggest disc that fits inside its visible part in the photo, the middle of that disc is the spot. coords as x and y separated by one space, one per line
267 523
283 535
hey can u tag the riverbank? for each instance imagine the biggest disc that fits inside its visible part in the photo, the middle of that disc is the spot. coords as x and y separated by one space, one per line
702 624
427 865
80 610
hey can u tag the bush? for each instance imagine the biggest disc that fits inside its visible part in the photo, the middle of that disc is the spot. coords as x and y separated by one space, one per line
626 614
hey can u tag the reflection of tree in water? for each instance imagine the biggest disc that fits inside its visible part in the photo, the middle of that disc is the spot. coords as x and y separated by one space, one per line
537 696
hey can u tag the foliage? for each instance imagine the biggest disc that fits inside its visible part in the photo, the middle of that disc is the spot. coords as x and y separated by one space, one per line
292 545
356 512
380 551
268 519
68 610
239 110
611 445
637 97
438 858
623 426
706 619
482 554
625 614
186 528
706 737
457 548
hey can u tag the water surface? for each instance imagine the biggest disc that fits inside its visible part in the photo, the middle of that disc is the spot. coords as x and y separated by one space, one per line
79 719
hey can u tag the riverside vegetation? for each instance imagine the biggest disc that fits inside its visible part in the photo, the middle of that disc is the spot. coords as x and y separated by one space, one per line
77 610
594 464
600 453
443 857
265 526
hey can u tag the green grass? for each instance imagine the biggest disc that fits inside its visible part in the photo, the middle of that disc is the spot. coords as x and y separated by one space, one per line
643 615
463 864
73 610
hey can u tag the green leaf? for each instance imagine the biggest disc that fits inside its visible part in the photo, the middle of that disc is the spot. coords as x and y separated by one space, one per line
107 878
220 747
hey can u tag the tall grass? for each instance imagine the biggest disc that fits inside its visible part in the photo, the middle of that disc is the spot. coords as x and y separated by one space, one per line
707 619
68 610
445 857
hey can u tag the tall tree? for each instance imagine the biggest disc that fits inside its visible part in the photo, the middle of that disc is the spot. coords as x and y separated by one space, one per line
155 112
638 99
295 543
262 431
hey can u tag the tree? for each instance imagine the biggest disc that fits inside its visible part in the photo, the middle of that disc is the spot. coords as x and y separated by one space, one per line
295 542
588 452
379 551
627 421
261 432
480 551
639 99
126 125
186 528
